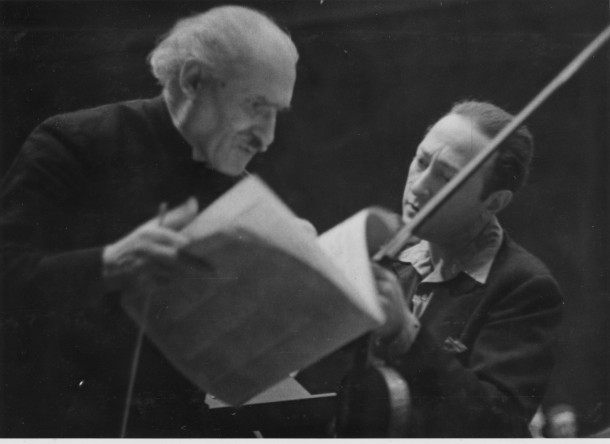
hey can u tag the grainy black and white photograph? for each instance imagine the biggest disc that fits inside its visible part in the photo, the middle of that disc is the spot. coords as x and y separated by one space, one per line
304 219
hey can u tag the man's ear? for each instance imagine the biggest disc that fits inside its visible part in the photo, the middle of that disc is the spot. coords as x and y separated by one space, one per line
192 78
498 200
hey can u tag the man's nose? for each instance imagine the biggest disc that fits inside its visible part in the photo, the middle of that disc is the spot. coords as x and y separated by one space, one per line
265 130
421 186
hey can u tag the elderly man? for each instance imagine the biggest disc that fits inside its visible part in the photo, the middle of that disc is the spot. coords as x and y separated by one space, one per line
486 309
78 227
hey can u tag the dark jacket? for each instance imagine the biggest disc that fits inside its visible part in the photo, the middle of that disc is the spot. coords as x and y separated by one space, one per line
478 368
481 364
81 181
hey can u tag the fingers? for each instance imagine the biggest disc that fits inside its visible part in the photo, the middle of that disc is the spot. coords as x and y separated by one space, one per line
401 326
387 282
164 255
161 236
382 273
390 296
150 250
154 246
180 216
307 227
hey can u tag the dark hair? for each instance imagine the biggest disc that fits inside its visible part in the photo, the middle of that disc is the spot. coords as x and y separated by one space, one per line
512 163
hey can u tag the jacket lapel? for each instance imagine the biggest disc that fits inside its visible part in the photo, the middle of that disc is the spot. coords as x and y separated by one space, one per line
450 310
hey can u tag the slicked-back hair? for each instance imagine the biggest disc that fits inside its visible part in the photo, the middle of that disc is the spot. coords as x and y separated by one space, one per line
512 163
222 40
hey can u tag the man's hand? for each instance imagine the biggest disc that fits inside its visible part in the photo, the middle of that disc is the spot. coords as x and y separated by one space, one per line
307 227
401 327
148 255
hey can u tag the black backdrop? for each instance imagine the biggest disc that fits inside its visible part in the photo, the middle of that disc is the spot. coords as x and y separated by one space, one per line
372 76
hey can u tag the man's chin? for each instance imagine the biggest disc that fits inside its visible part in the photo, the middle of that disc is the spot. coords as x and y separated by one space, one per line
232 170
234 173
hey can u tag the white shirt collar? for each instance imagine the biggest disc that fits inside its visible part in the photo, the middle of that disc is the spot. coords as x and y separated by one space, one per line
475 260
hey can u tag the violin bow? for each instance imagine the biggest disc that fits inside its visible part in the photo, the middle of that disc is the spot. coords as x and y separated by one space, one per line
393 247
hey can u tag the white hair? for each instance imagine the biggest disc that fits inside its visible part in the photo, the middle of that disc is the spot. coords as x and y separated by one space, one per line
222 40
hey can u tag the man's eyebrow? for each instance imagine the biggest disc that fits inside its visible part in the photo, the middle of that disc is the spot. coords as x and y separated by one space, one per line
446 167
438 162
267 102
421 151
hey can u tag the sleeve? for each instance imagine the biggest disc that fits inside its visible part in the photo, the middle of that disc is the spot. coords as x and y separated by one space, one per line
496 391
41 268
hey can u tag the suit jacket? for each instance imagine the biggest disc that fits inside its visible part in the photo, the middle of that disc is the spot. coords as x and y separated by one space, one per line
481 364
482 360
81 181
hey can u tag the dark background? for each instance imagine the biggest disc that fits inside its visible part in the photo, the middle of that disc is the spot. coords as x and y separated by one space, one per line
372 76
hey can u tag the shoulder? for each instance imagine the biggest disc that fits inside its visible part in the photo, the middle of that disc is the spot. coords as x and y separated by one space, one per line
514 260
96 120
519 275
93 133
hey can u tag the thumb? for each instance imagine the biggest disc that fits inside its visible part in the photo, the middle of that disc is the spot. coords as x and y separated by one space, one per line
307 226
177 218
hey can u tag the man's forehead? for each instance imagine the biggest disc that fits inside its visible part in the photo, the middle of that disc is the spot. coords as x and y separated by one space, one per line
453 139
274 89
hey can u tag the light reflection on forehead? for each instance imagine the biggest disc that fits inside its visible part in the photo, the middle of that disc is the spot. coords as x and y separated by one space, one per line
438 157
